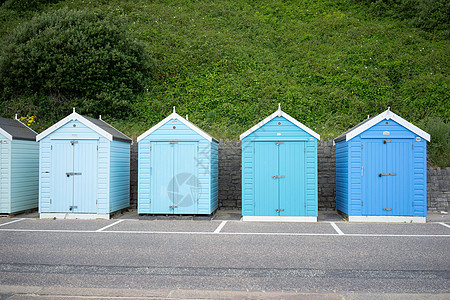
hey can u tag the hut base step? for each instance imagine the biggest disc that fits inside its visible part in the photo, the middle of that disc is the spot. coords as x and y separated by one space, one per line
387 219
71 216
278 219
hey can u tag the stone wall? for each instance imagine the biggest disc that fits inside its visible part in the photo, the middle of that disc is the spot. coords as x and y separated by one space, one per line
230 187
438 189
230 175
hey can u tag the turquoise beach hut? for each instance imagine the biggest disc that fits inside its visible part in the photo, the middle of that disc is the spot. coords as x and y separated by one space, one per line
279 170
84 169
178 169
19 167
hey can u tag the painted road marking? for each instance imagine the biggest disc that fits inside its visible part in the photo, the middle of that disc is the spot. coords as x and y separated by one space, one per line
338 230
12 222
226 233
443 224
219 228
110 225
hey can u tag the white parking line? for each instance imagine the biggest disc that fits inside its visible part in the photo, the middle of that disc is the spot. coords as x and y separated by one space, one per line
219 228
12 222
225 233
338 230
443 224
110 225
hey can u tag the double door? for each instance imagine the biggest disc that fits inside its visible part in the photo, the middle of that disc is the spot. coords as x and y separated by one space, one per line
387 177
280 179
175 187
74 176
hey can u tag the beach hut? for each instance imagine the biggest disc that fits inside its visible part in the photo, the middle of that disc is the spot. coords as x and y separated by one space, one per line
381 171
279 170
84 169
19 167
178 169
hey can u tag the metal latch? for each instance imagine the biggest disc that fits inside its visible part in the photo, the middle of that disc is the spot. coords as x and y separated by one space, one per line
74 142
386 141
386 174
73 173
279 209
279 143
173 143
72 207
173 206
277 176
388 209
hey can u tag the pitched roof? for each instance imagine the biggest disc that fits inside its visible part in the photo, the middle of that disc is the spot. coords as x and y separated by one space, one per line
388 114
13 129
172 116
98 125
280 113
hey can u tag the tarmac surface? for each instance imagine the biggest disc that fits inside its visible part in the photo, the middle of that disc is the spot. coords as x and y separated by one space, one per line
130 257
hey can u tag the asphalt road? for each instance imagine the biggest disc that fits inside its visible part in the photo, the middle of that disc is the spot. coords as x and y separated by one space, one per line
231 256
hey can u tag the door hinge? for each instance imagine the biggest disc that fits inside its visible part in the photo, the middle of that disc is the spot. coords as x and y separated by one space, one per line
50 201
96 201
362 203
413 204
412 146
362 146
51 147
97 147
362 171
150 148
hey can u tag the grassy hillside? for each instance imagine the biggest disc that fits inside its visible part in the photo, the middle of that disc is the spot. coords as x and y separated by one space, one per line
229 63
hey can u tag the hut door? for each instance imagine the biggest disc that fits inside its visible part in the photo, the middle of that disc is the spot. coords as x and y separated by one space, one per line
174 177
387 177
280 179
74 176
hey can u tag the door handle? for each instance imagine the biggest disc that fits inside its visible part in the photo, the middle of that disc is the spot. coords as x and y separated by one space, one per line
386 174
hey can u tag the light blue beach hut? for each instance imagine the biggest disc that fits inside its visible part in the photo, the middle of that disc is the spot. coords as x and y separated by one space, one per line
381 171
279 170
178 169
19 167
84 169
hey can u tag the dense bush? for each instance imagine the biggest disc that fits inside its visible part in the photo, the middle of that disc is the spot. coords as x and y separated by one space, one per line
72 57
439 147
429 15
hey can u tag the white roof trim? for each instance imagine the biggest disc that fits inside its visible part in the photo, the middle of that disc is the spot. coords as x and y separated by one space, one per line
172 116
5 134
388 114
72 117
279 113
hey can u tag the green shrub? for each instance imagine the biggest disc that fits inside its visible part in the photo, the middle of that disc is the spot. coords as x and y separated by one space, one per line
74 57
429 15
439 147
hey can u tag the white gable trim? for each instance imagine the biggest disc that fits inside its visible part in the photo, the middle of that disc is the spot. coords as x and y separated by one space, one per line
387 115
280 113
5 134
182 120
72 117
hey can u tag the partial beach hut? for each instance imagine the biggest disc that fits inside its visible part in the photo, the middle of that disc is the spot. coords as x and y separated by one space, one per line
381 171
84 169
279 170
19 167
178 169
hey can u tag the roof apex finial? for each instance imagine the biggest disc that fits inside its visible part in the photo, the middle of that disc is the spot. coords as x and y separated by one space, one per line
187 117
279 106
74 109
389 108
174 109
368 116
99 117
16 117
